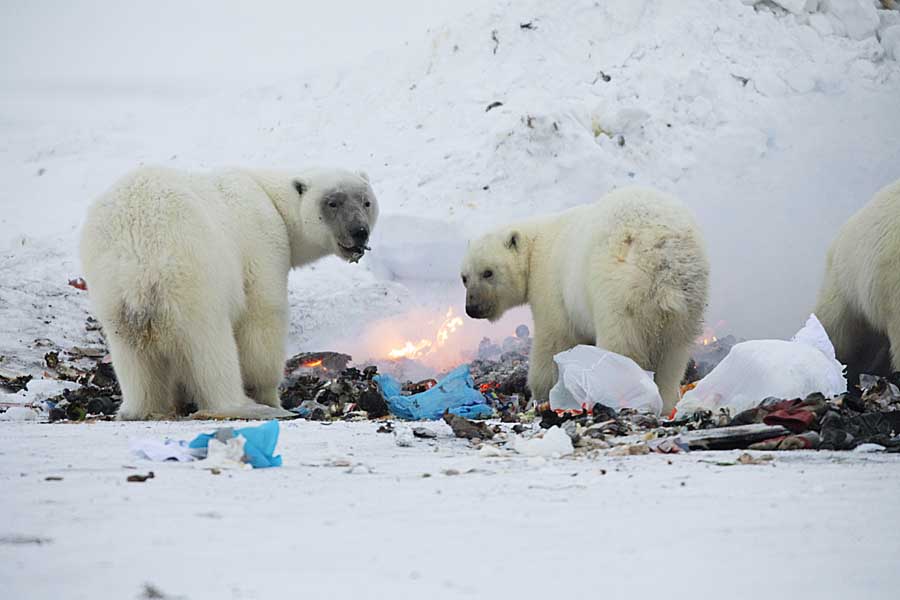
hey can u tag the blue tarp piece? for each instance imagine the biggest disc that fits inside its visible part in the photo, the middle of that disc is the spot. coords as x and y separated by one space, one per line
456 392
259 445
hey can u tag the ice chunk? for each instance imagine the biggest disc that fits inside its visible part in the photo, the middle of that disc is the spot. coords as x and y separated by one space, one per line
858 17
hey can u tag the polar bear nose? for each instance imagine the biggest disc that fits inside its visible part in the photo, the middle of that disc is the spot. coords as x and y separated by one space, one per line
360 235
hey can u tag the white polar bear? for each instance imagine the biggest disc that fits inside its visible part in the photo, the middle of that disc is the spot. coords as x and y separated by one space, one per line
859 303
188 274
628 273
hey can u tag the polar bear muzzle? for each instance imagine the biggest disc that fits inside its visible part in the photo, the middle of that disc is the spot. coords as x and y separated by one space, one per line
348 215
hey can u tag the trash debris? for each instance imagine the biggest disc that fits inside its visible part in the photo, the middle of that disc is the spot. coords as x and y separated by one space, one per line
13 382
748 459
554 443
464 428
454 393
140 478
257 447
629 450
166 450
590 375
424 433
760 369
730 438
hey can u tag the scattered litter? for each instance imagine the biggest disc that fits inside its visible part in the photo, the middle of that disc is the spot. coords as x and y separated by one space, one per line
464 428
140 478
494 104
554 443
590 375
748 459
629 450
166 450
13 382
731 438
53 478
454 393
424 432
257 445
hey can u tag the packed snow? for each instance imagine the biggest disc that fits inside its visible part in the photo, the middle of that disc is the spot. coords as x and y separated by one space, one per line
773 120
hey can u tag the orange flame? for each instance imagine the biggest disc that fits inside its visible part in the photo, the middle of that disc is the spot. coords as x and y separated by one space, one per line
312 363
424 347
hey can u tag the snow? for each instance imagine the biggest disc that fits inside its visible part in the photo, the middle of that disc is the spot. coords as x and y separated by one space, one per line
773 125
351 515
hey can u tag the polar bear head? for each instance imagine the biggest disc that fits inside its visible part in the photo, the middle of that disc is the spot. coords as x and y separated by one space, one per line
495 273
333 212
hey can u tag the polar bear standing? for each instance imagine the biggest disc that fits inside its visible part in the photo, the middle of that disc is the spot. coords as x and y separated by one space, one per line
188 275
859 303
628 273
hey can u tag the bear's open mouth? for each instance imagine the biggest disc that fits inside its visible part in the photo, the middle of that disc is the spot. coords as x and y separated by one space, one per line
353 253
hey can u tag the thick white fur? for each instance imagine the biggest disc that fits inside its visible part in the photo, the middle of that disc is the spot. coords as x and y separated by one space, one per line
628 273
188 273
859 303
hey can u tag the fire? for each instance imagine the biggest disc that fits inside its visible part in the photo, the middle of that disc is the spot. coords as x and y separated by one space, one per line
313 364
709 335
424 347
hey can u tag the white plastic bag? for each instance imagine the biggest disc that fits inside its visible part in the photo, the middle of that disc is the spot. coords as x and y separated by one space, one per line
758 369
588 375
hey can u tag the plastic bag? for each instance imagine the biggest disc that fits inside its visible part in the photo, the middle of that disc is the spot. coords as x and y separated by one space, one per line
456 392
759 369
588 374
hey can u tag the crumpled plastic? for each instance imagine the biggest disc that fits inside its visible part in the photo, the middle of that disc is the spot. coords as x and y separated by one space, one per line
588 375
760 369
455 393
259 443
161 451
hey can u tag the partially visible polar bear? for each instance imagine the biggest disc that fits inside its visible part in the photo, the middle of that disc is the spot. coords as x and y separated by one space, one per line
188 275
628 273
859 303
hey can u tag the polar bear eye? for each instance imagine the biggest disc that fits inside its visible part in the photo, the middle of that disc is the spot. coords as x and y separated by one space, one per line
332 204
368 204
487 274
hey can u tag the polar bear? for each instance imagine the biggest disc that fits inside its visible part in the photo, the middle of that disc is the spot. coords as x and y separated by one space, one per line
859 302
628 273
188 272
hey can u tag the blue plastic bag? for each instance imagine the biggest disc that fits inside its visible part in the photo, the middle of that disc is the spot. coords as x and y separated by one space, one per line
259 443
456 392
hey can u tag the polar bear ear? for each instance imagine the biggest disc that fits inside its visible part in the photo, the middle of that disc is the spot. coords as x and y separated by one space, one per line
512 242
300 186
364 175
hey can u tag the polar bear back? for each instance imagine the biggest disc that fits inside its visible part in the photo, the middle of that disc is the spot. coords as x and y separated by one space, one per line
629 232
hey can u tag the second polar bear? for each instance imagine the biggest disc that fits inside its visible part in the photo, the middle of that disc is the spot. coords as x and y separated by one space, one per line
628 273
859 303
187 273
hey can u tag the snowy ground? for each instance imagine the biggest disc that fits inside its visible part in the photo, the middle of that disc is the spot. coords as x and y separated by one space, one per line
809 525
773 127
